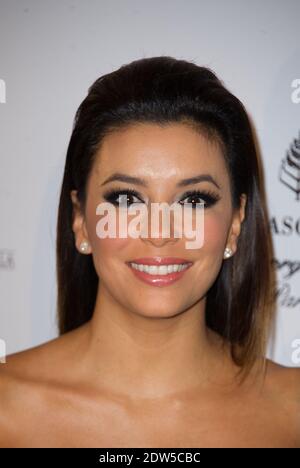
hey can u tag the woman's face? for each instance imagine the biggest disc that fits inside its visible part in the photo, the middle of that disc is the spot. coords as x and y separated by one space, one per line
162 157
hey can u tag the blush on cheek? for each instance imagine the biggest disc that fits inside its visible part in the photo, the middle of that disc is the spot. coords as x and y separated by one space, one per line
109 247
107 253
215 233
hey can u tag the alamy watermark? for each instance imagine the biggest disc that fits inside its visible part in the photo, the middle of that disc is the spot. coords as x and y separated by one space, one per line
2 91
2 351
295 95
295 357
185 216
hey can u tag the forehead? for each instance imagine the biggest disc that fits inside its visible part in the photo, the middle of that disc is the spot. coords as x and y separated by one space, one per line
158 151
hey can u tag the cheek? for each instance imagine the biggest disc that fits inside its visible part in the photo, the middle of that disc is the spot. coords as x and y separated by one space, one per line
107 255
108 250
215 232
210 255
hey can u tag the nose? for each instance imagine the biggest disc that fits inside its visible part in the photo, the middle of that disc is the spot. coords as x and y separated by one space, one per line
160 228
159 242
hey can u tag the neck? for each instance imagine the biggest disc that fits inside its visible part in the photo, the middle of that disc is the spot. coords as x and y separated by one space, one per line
149 357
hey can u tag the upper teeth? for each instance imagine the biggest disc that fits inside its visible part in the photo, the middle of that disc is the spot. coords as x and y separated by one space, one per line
159 270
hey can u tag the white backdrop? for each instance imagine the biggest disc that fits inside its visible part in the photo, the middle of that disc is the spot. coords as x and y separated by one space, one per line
52 51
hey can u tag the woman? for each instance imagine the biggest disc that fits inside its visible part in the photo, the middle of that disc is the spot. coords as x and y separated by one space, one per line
156 357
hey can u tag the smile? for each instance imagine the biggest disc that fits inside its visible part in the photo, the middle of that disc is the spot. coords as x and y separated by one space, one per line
159 271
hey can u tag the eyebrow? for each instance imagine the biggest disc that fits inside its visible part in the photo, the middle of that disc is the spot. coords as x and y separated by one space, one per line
142 182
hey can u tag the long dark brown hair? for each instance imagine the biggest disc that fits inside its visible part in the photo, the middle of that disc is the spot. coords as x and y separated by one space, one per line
162 90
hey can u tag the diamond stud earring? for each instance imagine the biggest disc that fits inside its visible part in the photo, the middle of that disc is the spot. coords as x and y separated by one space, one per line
227 252
84 246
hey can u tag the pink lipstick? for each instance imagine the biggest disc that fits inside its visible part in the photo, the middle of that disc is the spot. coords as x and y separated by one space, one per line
159 271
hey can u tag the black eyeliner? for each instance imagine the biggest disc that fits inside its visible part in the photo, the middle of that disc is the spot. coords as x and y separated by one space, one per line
113 194
210 198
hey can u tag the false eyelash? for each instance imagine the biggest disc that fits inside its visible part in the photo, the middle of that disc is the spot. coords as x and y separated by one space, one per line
112 195
210 198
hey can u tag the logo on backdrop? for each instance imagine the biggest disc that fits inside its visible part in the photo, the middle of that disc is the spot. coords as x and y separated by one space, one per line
287 269
289 172
289 226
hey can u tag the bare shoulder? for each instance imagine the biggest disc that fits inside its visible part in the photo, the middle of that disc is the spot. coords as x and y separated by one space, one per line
285 379
283 384
43 360
17 387
28 364
25 380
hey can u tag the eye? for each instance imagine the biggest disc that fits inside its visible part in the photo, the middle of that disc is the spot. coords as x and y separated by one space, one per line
117 195
196 197
130 196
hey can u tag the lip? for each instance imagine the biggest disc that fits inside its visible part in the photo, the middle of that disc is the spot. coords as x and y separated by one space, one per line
159 280
160 261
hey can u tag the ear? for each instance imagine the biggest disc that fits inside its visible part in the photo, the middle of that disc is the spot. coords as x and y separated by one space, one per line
238 218
78 223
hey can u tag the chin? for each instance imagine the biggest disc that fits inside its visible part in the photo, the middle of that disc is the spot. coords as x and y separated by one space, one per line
153 311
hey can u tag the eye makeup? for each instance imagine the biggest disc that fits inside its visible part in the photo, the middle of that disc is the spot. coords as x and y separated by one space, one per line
208 197
112 196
